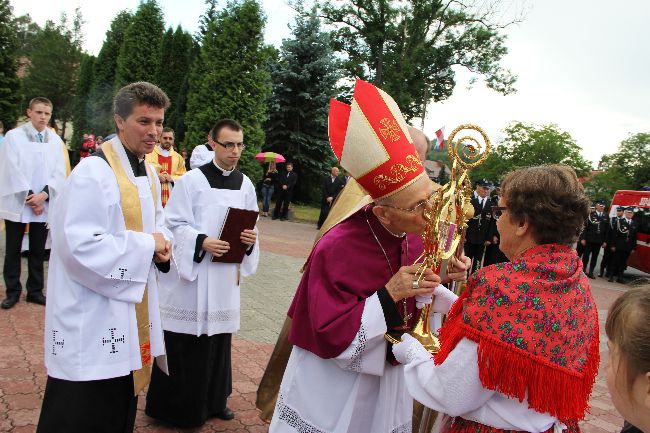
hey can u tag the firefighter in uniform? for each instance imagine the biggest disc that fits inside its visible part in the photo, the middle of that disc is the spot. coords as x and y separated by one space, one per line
476 237
623 242
594 234
607 263
493 253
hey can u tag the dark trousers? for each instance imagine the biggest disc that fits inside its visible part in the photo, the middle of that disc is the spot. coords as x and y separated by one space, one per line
606 262
474 252
282 204
591 250
267 193
98 406
620 262
324 212
11 270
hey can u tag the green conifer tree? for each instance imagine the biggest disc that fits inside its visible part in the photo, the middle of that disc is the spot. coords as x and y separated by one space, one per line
177 55
103 87
139 58
9 83
304 79
53 66
230 79
81 108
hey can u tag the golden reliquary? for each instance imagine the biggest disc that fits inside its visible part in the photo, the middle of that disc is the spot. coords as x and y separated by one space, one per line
447 219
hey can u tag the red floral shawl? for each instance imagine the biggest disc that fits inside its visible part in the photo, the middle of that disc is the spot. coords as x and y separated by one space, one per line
536 326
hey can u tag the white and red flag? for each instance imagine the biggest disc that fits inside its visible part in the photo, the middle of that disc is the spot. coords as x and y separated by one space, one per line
440 136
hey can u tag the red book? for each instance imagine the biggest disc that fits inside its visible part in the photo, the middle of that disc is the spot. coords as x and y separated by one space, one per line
235 222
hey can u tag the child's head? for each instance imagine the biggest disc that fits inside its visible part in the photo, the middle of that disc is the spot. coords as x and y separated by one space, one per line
628 369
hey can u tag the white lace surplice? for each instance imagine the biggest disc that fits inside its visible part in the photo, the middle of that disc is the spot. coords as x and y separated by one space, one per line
203 298
356 392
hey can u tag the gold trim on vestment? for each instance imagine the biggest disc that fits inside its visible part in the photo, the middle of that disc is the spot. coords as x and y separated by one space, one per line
132 212
398 172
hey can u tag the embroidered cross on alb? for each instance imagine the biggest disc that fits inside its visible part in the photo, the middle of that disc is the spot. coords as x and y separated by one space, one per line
113 340
56 343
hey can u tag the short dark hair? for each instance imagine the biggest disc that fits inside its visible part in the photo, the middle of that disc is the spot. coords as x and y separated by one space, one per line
224 123
139 93
40 100
550 198
168 129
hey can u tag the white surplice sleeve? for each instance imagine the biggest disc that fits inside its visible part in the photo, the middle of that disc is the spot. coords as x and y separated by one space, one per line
91 238
249 264
14 184
57 170
367 352
180 220
454 386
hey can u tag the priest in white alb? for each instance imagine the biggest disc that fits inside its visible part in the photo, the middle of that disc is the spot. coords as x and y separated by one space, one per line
359 283
200 298
109 245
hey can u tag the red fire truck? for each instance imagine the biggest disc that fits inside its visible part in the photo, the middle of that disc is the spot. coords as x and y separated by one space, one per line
640 201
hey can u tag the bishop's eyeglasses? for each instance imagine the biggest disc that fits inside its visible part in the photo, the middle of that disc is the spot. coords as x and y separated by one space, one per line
417 207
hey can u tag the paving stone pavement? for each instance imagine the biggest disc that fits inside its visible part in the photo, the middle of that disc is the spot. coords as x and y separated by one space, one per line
265 300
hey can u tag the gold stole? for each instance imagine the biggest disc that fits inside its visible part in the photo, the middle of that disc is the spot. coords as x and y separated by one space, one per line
132 212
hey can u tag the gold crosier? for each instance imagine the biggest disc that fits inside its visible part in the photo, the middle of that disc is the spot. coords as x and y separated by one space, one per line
447 220
132 212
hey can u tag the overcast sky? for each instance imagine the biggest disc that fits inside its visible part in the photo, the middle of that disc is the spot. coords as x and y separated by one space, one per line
582 64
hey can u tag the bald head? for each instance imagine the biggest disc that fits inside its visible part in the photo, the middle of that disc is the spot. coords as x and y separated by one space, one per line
420 141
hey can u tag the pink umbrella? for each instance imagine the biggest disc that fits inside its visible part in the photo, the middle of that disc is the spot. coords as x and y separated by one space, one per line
269 157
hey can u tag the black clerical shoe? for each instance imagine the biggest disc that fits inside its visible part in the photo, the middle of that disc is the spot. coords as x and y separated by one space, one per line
9 302
600 275
610 279
591 275
36 298
225 414
620 280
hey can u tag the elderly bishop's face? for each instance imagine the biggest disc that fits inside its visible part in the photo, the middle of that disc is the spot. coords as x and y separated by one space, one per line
405 209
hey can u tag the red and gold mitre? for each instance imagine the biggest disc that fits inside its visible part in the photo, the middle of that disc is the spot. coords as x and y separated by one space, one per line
371 141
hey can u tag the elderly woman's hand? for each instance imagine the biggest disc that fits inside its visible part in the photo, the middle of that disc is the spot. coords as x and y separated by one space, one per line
409 349
457 269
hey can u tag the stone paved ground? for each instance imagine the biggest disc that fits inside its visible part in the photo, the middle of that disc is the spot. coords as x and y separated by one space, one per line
265 298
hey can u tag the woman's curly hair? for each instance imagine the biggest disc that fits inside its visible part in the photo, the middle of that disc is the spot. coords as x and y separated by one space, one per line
550 198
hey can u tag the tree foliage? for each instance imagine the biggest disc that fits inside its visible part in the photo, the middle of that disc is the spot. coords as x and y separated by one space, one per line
176 57
9 83
304 79
139 58
409 48
104 85
82 107
53 65
527 145
627 168
230 79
